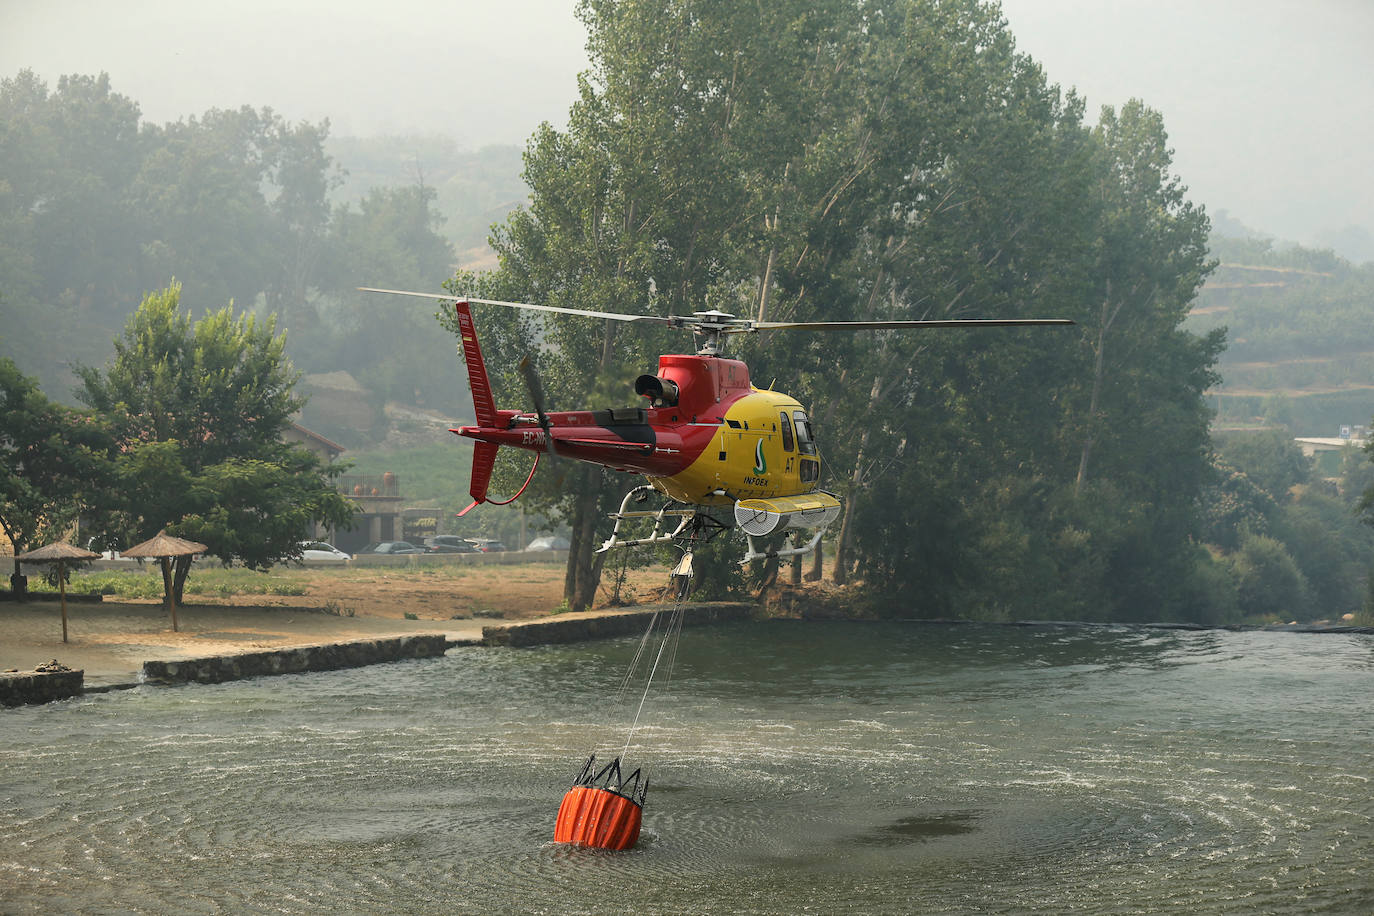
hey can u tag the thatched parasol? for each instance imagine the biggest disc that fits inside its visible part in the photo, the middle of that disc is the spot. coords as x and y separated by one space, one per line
58 553
164 547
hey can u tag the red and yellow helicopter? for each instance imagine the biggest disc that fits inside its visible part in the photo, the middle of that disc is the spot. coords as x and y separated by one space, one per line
708 441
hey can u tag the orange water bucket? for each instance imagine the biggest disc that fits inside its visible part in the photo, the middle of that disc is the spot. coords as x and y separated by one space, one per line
602 810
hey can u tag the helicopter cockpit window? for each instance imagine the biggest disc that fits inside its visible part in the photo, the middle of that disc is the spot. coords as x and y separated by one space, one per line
805 444
786 428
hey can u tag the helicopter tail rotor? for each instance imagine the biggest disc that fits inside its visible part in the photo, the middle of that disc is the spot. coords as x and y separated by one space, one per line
536 391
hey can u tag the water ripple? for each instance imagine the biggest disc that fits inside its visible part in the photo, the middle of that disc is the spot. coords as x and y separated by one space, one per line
794 768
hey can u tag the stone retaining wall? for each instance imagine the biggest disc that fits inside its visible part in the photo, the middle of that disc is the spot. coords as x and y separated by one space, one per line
216 668
596 625
32 687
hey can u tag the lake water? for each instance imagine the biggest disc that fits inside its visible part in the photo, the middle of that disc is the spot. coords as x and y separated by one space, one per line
795 768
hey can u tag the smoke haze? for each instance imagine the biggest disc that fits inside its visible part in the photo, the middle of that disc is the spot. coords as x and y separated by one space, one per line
1266 101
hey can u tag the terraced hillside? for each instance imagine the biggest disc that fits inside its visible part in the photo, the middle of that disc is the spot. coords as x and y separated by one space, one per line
1300 341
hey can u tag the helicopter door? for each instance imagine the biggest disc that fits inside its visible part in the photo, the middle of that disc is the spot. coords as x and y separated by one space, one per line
810 468
805 444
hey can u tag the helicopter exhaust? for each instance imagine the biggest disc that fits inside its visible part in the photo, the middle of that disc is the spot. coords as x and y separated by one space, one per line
661 392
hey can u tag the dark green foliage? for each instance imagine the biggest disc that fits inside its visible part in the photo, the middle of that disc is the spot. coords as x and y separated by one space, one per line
1231 504
1331 548
1268 581
1209 592
54 463
1261 497
1356 476
1270 458
842 161
219 387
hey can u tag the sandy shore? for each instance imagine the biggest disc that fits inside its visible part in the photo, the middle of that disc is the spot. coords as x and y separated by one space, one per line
110 640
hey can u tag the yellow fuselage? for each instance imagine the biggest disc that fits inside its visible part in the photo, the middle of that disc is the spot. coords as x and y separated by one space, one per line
760 446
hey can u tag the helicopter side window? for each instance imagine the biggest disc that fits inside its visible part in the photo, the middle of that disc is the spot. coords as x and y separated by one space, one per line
786 427
805 444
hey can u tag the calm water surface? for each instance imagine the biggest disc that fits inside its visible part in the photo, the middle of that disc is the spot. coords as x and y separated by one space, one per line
826 768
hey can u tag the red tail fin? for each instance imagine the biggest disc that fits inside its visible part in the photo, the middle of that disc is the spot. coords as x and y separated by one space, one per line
484 453
483 460
482 403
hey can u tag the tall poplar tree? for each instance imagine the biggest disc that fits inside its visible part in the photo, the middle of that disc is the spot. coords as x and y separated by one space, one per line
845 160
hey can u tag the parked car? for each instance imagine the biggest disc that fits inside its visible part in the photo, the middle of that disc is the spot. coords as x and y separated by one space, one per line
319 551
393 548
487 545
548 542
95 545
449 543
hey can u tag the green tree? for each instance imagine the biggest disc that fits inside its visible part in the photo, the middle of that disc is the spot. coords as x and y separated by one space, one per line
1232 505
1357 474
200 410
1269 457
891 160
66 249
1331 548
390 240
54 464
1268 581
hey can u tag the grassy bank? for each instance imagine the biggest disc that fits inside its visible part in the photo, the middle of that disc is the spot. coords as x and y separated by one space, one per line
146 581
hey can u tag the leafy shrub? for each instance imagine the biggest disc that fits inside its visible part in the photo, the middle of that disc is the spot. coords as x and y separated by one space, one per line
1268 580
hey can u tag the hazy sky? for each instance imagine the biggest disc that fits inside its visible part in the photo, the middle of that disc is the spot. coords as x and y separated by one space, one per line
1267 102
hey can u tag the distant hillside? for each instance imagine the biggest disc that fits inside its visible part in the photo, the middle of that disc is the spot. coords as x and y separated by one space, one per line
1300 336
99 207
474 189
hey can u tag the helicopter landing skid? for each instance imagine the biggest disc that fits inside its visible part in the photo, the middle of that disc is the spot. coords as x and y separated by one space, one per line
756 554
662 517
693 524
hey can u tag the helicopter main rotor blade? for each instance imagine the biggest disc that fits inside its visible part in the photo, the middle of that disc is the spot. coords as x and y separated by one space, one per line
588 313
922 323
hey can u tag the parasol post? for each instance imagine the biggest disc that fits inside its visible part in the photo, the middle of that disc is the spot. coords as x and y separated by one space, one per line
164 548
62 590
58 552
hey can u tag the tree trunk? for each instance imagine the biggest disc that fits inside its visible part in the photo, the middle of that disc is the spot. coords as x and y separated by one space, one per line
19 583
169 600
570 571
588 584
840 574
584 564
181 569
770 572
1099 371
817 561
